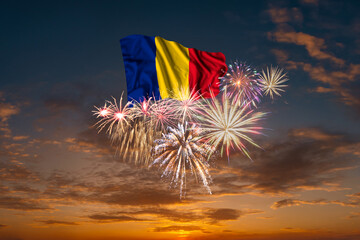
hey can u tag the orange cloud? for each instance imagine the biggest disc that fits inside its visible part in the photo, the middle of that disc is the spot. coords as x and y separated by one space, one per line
352 201
55 222
296 202
7 110
313 45
24 204
19 138
284 15
177 228
354 215
16 172
292 165
313 133
114 218
310 2
323 90
338 80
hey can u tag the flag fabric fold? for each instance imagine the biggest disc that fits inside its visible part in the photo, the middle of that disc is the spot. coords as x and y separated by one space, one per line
155 67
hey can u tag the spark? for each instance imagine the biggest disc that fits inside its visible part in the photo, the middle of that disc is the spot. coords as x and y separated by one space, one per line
272 81
242 84
102 111
182 149
119 116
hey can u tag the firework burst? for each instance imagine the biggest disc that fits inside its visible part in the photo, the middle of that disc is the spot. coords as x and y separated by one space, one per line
272 81
162 113
187 106
180 150
242 83
181 135
115 116
227 125
142 109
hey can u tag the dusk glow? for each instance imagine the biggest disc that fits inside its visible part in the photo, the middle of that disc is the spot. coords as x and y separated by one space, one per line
274 156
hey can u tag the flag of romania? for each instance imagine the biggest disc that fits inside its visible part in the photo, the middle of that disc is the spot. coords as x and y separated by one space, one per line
166 69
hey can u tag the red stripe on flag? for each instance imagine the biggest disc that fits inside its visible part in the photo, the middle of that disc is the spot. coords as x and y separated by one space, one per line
205 68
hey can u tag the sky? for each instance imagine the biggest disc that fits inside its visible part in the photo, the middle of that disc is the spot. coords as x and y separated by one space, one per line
60 179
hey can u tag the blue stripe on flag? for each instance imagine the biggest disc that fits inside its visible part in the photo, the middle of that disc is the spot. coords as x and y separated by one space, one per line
139 54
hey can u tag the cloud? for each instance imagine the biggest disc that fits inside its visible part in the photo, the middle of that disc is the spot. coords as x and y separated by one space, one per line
312 44
114 218
353 200
3 226
7 110
90 141
177 228
16 172
310 2
4 189
313 133
19 138
134 196
122 185
223 214
44 141
227 214
296 202
323 90
24 188
354 215
56 222
309 158
294 165
285 15
18 203
169 214
211 216
339 82
265 217
281 55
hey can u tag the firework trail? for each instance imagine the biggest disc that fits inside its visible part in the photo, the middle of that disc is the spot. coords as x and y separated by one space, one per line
227 125
242 84
272 81
180 150
128 131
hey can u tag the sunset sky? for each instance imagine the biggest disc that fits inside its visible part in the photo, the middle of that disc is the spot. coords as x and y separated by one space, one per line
60 179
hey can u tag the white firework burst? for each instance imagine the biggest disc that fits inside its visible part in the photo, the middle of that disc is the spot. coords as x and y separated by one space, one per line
227 125
272 81
180 150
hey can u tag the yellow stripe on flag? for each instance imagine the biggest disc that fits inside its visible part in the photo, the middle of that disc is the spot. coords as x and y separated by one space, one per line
172 67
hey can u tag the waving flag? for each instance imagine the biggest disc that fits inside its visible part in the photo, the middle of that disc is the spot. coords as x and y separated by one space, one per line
166 69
